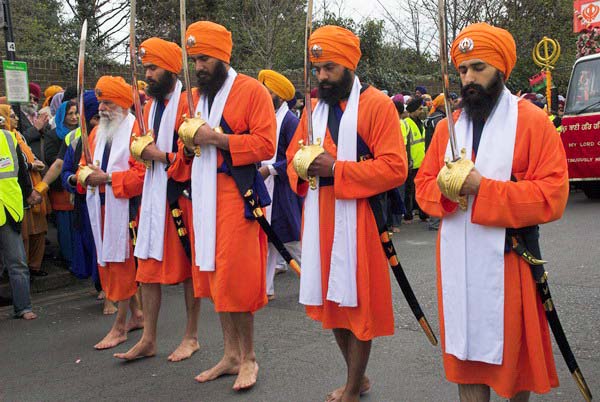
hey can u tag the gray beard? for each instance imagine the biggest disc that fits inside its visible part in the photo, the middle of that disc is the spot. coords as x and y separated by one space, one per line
107 127
28 109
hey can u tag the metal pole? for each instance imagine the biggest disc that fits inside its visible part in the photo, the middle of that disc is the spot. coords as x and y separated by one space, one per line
10 50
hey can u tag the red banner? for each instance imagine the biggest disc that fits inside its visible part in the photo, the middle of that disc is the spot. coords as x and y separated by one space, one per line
586 14
581 139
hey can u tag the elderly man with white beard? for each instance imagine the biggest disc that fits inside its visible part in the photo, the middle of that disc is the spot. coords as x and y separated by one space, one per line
111 184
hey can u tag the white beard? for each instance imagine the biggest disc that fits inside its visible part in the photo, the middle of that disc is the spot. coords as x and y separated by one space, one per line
108 126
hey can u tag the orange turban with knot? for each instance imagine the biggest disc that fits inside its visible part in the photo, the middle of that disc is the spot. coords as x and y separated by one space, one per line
495 46
335 44
162 53
277 83
114 89
209 39
438 103
50 92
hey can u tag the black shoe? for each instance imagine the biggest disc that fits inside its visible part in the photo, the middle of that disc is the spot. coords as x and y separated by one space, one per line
38 272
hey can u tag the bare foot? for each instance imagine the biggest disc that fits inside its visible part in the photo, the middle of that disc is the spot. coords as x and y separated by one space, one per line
336 395
247 375
30 315
185 350
270 297
138 351
112 339
227 366
109 307
135 322
101 295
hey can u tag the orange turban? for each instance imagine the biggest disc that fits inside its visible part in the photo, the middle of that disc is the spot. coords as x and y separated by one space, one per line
437 103
277 83
495 46
162 53
114 89
5 112
335 44
209 39
50 92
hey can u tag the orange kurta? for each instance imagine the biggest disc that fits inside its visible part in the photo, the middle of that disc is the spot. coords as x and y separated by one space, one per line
118 278
378 125
238 283
175 266
539 196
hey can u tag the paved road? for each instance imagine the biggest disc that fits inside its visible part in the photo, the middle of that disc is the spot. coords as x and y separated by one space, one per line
52 358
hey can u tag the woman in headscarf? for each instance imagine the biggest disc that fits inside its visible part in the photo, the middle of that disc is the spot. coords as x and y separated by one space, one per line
67 119
34 226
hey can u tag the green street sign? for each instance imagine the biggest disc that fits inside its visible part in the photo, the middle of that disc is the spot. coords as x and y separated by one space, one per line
16 80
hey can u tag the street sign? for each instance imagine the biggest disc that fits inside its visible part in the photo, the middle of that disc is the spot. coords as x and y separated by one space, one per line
17 82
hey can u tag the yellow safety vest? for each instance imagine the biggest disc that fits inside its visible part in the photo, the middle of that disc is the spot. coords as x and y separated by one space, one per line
72 136
11 197
559 129
416 139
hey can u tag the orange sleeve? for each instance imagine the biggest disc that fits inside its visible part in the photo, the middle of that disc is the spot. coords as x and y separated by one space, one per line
130 183
259 143
542 188
388 167
298 185
428 194
181 168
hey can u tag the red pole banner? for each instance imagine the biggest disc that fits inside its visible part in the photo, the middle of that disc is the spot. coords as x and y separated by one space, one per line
586 14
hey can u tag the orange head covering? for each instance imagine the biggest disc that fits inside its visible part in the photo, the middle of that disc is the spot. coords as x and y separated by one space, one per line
495 46
209 39
114 89
335 44
50 92
438 103
162 53
277 83
5 112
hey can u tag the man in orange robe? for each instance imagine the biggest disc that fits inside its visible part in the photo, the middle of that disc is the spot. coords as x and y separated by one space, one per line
345 182
230 250
162 257
111 186
526 184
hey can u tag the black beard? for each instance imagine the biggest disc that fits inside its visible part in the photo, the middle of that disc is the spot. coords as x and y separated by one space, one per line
276 103
161 88
478 101
339 89
210 84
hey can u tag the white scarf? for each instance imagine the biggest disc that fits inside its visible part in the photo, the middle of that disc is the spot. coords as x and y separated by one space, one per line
204 181
151 230
342 275
472 255
113 244
270 180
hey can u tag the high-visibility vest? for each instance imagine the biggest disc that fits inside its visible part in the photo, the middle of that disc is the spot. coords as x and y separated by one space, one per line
415 139
559 129
72 136
11 197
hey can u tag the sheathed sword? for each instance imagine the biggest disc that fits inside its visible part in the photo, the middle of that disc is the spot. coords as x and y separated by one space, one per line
525 242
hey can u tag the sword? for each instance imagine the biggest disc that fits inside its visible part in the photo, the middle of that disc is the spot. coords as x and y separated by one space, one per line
459 162
526 244
137 104
186 68
307 72
80 91
445 77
